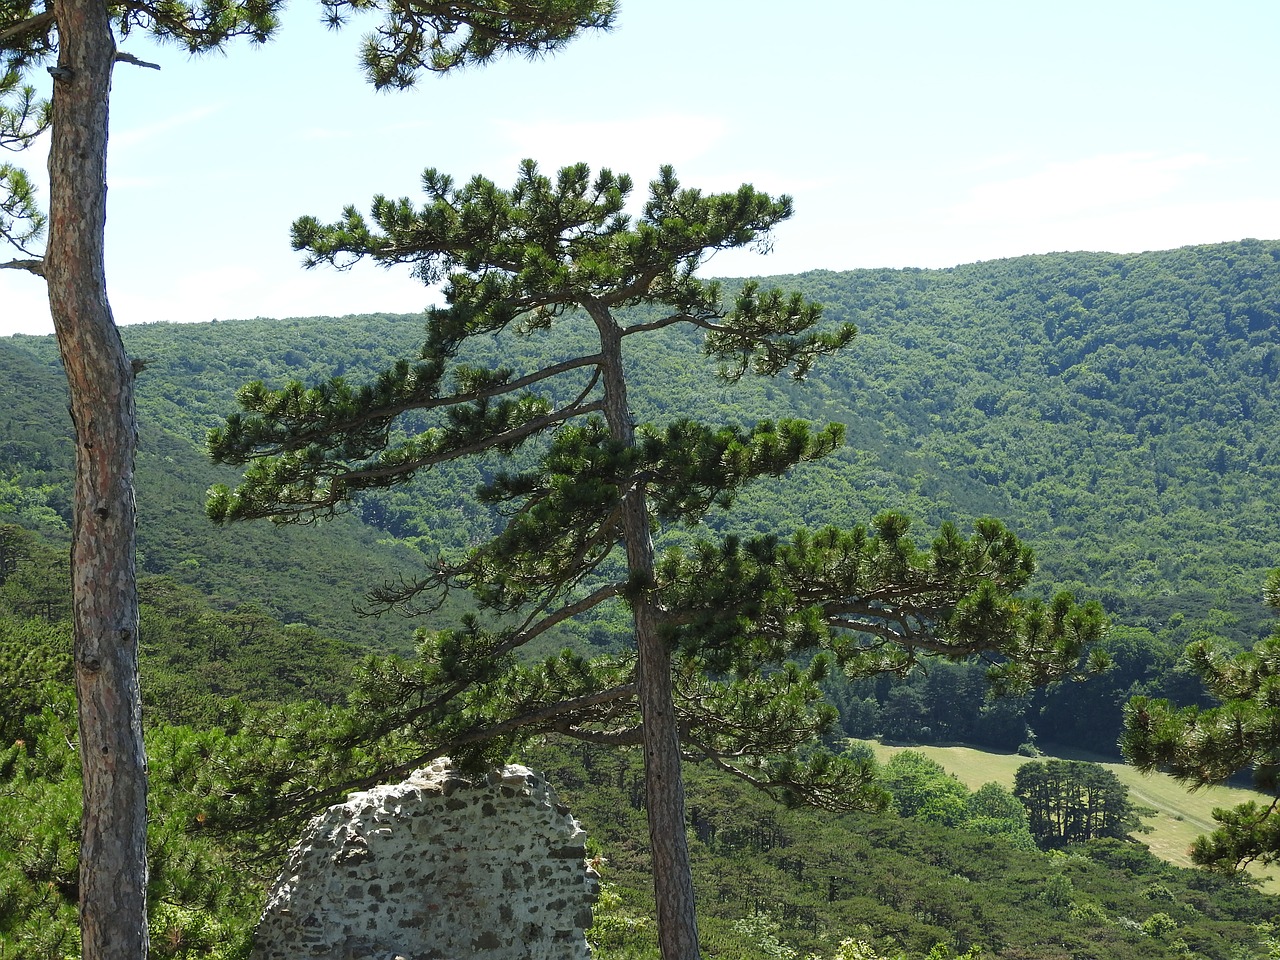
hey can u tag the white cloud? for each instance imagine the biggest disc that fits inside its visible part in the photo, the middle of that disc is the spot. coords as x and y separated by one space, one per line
1062 190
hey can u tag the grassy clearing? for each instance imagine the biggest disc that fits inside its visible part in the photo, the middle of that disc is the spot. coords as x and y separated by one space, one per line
1181 815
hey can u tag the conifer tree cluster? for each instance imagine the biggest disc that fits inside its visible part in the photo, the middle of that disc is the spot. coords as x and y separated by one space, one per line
1071 801
718 623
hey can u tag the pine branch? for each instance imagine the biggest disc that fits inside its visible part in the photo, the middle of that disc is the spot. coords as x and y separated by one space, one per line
255 498
568 611
547 562
333 424
301 805
13 35
441 37
202 28
360 478
553 717
23 117
841 794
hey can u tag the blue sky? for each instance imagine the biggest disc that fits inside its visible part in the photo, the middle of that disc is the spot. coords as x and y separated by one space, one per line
921 133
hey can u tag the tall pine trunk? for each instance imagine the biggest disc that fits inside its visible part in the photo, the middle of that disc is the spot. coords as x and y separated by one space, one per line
113 865
663 778
664 787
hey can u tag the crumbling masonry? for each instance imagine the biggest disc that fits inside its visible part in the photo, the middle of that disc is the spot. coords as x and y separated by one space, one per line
440 867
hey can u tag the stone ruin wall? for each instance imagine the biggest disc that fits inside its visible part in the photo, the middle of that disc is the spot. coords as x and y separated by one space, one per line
439 867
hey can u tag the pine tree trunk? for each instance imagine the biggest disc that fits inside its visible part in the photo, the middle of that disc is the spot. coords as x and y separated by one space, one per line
113 865
663 778
664 793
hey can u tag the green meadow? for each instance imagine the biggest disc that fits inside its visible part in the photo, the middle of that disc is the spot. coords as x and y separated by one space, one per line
1182 814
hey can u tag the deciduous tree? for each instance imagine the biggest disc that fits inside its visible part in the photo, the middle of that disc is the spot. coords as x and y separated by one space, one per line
714 622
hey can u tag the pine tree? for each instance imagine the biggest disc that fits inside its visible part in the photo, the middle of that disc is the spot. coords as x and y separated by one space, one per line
1205 746
1071 801
714 623
80 37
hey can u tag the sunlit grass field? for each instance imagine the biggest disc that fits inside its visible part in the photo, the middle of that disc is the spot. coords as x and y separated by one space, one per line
1181 816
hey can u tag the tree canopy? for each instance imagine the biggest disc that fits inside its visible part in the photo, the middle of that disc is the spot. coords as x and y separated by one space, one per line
1071 801
714 620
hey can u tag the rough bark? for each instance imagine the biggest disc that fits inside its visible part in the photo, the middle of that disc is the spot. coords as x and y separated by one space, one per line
113 865
660 732
664 790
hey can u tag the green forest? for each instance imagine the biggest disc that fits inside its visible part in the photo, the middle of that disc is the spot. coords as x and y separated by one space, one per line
889 614
1117 413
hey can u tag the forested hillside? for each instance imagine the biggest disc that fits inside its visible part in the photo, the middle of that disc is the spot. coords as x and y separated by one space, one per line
1119 412
315 576
941 865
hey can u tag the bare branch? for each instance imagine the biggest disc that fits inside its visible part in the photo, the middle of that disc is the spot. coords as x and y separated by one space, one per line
675 318
606 592
122 57
31 266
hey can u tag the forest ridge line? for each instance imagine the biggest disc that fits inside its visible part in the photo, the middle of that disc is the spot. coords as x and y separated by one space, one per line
1118 411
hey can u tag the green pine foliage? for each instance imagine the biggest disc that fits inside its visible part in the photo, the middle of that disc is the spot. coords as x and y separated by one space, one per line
202 904
778 879
1071 801
714 625
23 117
430 37
1239 734
40 826
199 666
960 872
